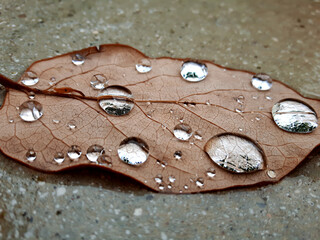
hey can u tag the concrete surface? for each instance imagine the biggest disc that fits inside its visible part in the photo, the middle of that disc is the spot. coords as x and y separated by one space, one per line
280 38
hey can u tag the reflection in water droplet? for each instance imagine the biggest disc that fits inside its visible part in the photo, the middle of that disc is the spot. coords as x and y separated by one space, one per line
143 66
94 152
158 179
235 153
30 111
77 59
74 152
261 81
133 151
177 155
72 125
193 71
172 179
105 160
271 174
31 155
182 132
29 78
211 172
200 182
116 100
294 116
99 81
59 157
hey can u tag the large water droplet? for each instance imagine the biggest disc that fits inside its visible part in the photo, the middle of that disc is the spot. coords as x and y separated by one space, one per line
94 152
182 132
294 116
77 59
99 81
30 111
74 152
29 78
143 66
261 81
116 100
193 71
235 153
133 151
59 157
31 155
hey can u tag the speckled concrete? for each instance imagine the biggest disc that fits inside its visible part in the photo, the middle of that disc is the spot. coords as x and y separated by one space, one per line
281 39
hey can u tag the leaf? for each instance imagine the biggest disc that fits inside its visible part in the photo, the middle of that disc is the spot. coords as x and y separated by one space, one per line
200 136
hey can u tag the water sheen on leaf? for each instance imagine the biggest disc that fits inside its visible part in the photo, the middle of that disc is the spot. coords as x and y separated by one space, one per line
71 121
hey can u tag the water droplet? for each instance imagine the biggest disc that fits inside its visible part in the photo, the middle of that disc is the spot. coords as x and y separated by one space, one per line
30 111
72 125
143 66
271 174
116 100
77 59
105 160
52 81
258 119
74 152
208 103
261 81
56 121
31 155
197 136
29 78
211 172
235 153
193 71
169 186
182 132
94 152
269 98
158 179
240 129
161 187
133 151
171 111
59 157
185 187
172 179
200 182
99 81
294 116
238 110
10 120
31 95
240 99
177 155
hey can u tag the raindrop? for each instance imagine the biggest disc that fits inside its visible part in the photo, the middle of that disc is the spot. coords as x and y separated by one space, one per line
211 172
29 78
185 187
133 151
177 155
261 81
116 100
143 66
200 182
238 110
271 174
72 125
31 155
294 116
197 136
52 81
193 71
99 81
30 111
31 95
74 152
77 59
94 152
11 120
235 153
158 179
59 157
56 121
105 160
161 187
182 131
172 179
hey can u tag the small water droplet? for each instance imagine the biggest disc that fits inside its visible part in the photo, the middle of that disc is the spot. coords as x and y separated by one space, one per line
99 82
258 119
185 187
74 152
240 99
10 120
294 116
240 129
181 120
211 172
52 81
208 103
105 160
116 100
94 152
269 98
182 132
56 121
261 81
29 78
163 126
254 97
197 136
171 111
59 157
177 155
30 111
158 179
31 155
161 187
237 110
143 66
169 186
133 151
31 95
200 182
72 125
194 71
77 59
271 174
235 153
172 179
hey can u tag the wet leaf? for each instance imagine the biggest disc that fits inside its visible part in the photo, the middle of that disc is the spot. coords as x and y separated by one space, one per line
174 125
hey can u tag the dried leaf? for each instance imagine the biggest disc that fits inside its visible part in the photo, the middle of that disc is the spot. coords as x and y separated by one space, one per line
155 126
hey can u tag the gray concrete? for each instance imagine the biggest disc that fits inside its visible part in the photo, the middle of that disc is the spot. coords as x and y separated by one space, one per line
281 39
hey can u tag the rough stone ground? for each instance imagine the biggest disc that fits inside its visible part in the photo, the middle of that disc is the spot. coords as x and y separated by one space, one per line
280 38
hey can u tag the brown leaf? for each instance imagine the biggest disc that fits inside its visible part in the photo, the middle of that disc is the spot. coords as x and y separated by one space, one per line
223 114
